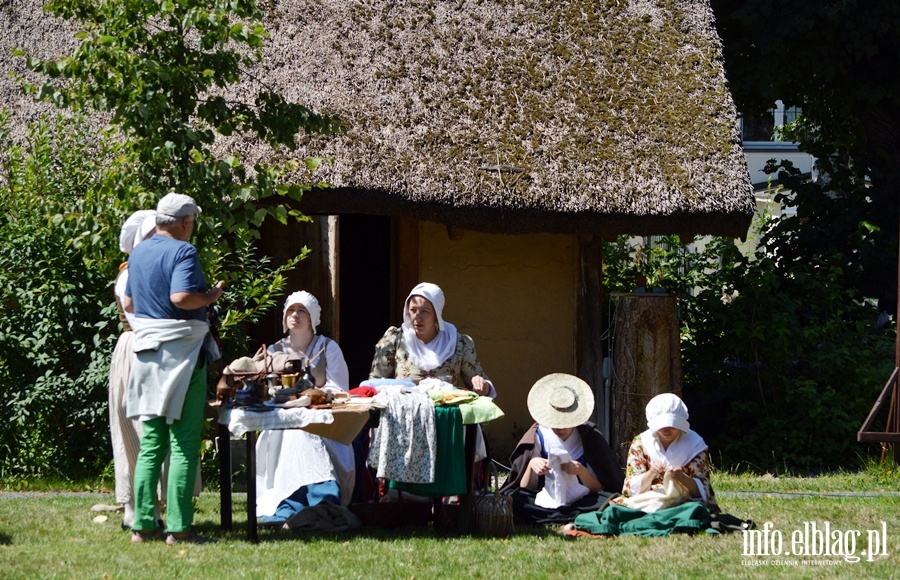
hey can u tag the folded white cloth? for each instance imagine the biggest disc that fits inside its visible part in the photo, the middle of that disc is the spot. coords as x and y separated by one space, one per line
240 421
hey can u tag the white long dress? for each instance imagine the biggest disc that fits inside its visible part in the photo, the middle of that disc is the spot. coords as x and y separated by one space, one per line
287 460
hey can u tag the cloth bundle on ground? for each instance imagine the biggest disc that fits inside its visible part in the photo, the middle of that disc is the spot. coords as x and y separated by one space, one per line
669 495
324 517
617 520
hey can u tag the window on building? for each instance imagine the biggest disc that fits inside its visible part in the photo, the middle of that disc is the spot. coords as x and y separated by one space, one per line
759 132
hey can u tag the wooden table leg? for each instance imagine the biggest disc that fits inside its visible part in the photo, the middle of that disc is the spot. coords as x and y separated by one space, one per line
225 505
465 501
252 531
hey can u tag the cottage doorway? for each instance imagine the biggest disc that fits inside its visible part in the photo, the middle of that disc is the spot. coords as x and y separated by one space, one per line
365 272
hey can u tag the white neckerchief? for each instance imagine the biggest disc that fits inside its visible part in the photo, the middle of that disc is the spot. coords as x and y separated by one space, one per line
560 488
553 444
432 355
680 451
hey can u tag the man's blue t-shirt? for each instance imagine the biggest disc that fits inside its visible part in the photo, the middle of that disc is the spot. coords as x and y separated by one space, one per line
159 267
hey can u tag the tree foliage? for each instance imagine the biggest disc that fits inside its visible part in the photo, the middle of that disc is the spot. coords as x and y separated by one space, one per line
167 77
781 356
835 59
58 321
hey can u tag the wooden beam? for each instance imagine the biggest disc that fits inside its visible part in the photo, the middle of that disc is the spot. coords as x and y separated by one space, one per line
878 437
864 433
406 262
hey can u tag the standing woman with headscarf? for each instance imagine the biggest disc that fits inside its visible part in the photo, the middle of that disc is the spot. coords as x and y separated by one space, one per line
426 346
295 469
125 433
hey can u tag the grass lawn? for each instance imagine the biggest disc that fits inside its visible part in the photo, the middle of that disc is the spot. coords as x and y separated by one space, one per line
52 534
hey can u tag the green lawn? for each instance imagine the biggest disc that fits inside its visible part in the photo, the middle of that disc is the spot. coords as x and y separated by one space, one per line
46 534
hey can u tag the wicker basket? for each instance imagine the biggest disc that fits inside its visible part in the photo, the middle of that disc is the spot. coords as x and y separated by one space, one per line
493 513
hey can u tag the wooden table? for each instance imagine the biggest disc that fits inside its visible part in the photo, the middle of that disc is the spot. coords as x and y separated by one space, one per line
346 426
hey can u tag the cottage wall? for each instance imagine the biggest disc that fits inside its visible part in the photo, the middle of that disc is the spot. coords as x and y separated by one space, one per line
516 297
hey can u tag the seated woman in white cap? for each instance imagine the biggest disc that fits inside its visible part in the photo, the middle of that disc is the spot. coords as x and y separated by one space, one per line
562 466
426 346
668 446
296 469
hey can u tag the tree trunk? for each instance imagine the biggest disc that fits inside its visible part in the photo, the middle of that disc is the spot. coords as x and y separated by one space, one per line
646 361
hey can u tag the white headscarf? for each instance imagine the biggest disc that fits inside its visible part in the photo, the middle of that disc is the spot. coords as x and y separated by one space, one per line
432 355
136 228
309 301
668 410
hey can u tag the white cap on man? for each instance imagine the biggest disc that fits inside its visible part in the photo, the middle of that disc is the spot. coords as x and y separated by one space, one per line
177 205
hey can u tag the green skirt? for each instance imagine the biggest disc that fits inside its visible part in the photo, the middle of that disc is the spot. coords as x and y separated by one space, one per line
616 520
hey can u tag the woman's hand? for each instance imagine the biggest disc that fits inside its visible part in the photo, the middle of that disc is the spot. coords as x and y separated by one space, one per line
653 473
480 386
684 479
657 471
574 468
539 466
536 467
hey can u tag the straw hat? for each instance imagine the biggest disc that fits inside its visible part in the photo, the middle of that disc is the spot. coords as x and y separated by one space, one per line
560 401
245 364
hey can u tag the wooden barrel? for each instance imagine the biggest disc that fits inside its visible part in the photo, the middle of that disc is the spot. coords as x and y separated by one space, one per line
646 361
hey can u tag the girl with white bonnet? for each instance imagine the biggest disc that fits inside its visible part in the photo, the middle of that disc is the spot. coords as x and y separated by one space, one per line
295 469
300 318
426 346
562 466
124 432
669 446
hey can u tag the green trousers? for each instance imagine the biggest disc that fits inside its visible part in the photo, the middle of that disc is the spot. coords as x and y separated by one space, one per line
182 437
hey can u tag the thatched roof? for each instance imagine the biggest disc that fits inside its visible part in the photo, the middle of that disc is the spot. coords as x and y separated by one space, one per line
599 117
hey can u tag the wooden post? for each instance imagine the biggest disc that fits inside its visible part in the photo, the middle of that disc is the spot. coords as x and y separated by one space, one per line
646 361
589 322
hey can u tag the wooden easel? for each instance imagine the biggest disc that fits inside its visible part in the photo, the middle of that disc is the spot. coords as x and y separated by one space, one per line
890 437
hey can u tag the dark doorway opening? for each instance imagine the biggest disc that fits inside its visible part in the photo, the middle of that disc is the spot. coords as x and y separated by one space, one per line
365 273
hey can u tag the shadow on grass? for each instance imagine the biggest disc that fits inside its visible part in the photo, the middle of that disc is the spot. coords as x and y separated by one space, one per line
270 534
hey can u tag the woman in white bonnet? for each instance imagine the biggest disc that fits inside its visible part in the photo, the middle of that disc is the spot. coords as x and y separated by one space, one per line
125 433
426 346
300 318
295 469
669 445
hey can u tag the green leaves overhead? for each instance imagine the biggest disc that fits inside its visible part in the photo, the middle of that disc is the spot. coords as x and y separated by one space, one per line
168 78
168 74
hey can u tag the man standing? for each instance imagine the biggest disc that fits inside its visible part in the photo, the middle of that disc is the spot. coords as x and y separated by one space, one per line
167 293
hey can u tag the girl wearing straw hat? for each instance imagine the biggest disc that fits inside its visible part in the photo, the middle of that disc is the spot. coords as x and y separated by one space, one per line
563 465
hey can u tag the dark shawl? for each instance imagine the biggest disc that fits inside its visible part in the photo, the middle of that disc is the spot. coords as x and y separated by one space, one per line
597 454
